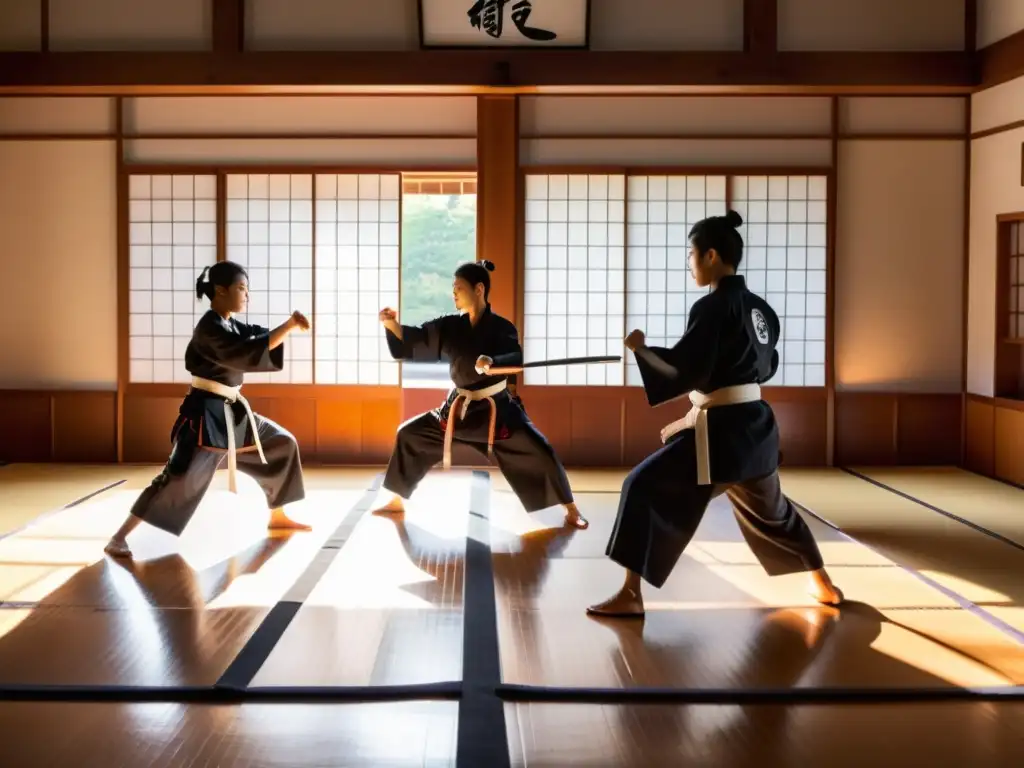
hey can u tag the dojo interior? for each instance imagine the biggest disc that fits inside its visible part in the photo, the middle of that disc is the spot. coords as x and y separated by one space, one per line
350 154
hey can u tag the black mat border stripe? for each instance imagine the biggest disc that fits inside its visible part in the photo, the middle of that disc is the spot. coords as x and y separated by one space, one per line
254 654
482 734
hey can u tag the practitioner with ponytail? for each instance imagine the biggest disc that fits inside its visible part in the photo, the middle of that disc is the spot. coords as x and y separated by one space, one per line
215 420
482 410
728 442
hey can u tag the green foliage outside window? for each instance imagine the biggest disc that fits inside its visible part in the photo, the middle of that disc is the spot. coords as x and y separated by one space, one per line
438 234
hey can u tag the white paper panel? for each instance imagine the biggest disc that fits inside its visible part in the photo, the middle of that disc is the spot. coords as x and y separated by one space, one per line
172 237
871 25
574 276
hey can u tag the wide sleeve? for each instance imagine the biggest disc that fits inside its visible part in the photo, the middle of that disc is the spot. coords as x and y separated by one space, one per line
419 343
671 373
247 351
506 351
773 368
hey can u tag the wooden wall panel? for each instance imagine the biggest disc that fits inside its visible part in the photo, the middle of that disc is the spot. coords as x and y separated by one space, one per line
602 427
865 428
885 428
351 425
1008 436
928 428
614 426
66 426
26 432
994 438
85 427
979 438
802 416
147 428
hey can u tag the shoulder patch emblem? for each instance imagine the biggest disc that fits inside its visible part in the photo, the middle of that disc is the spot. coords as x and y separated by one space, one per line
760 326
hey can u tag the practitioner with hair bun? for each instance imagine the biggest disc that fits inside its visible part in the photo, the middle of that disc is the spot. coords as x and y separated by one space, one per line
215 420
482 410
727 443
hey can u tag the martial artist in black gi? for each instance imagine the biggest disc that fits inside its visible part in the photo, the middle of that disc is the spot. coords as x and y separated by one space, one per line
482 410
215 421
727 443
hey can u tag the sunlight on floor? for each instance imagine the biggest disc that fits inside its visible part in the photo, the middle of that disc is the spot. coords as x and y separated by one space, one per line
416 562
934 659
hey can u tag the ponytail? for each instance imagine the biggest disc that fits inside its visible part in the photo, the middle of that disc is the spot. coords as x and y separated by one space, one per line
203 286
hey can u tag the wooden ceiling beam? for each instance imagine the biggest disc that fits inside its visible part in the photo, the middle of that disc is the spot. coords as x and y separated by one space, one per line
1001 61
122 72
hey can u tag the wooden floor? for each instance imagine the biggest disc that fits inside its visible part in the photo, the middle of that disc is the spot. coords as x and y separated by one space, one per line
931 562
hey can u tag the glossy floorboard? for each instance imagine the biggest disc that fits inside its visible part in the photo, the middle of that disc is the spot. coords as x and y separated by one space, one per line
720 622
389 610
850 736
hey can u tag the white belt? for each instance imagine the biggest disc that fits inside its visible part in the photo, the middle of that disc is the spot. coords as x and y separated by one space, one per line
231 395
697 420
467 396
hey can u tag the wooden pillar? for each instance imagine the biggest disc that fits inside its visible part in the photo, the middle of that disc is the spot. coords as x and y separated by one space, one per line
498 204
228 26
760 27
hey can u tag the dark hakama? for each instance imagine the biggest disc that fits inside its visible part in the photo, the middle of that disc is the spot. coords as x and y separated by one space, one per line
222 351
523 454
730 340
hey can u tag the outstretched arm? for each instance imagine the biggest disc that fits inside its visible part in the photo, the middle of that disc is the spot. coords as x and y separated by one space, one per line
670 373
409 342
253 349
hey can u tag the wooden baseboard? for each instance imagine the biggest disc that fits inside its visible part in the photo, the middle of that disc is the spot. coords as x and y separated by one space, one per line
994 438
887 428
588 426
58 425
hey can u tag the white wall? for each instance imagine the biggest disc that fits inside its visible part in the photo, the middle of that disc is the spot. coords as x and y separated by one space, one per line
899 266
995 189
871 25
58 265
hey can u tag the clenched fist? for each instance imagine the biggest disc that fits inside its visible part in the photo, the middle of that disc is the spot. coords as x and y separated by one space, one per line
634 340
299 321
387 314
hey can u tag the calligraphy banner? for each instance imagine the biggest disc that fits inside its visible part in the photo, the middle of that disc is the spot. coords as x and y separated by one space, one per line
504 23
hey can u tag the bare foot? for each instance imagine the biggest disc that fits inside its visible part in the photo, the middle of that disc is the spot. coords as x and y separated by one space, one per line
116 548
279 521
574 518
824 591
393 507
626 604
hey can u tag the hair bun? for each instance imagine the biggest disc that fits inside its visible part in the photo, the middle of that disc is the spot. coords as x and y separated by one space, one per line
489 266
733 219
